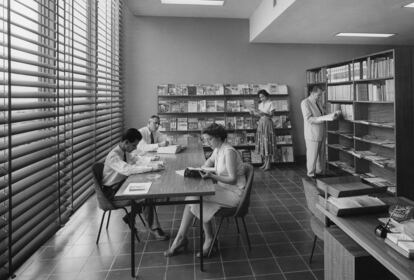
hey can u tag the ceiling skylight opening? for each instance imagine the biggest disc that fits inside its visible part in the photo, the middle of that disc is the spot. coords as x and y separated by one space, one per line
368 35
195 2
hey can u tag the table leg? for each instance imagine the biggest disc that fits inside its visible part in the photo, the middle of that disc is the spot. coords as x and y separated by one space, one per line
201 235
132 227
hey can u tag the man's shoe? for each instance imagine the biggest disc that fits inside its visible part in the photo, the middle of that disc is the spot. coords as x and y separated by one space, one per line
159 234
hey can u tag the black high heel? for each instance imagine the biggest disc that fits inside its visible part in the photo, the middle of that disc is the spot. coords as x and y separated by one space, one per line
173 251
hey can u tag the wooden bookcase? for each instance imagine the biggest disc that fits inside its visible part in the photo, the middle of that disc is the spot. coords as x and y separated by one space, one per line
374 136
192 107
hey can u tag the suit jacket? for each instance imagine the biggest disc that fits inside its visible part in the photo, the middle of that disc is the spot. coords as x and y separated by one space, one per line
145 144
314 127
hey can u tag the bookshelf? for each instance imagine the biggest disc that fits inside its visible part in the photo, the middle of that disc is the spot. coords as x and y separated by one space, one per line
188 108
375 135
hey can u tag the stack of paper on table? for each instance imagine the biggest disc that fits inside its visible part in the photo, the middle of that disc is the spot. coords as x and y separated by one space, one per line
353 205
171 149
138 188
402 243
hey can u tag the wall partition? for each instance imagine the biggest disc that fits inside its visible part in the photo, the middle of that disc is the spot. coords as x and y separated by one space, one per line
60 111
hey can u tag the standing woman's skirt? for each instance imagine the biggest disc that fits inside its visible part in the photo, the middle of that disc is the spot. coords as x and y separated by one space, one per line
265 137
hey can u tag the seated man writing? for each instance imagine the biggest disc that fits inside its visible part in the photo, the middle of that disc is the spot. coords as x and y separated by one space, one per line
119 164
152 138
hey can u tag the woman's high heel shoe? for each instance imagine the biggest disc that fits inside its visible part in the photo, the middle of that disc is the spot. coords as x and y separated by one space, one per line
205 251
173 251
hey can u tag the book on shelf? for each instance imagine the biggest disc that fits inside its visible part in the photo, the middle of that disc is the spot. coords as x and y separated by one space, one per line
346 186
200 90
338 74
164 124
347 111
175 106
233 105
281 121
182 124
202 106
231 123
221 121
211 90
281 105
250 138
255 157
201 123
248 122
209 121
340 92
246 105
231 89
162 89
164 106
356 71
211 106
193 124
181 89
192 106
246 156
284 139
377 181
244 89
184 106
239 123
173 124
220 105
172 90
192 90
287 154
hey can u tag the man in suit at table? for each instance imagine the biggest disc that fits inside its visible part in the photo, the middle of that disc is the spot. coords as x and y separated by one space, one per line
151 137
119 164
314 127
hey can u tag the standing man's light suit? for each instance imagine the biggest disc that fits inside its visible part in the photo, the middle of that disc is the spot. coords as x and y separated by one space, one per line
314 129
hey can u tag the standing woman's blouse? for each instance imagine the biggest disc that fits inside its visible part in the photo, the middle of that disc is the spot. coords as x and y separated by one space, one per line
267 107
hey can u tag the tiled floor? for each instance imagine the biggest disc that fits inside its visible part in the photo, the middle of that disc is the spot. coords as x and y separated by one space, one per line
277 222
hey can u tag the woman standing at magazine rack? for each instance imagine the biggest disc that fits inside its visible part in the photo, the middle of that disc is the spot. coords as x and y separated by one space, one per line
265 135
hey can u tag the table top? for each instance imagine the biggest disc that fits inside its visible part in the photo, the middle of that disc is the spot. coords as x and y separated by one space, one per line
361 229
167 183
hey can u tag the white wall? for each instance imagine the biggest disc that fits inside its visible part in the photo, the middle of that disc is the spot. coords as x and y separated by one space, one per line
161 50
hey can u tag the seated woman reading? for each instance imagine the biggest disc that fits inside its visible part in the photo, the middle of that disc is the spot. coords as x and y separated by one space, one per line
229 174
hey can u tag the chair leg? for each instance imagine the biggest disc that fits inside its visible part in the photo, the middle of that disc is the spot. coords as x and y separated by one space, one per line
247 234
313 248
135 231
215 238
107 222
237 225
142 220
100 227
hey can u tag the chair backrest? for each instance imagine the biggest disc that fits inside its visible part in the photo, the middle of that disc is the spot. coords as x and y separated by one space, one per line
243 207
312 197
103 202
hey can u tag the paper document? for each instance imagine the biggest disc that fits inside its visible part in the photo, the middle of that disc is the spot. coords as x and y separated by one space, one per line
138 188
329 117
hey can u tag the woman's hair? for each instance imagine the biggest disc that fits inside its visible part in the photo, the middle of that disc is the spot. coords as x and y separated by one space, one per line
216 131
132 135
264 92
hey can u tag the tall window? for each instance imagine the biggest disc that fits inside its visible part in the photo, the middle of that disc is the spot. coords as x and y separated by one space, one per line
60 110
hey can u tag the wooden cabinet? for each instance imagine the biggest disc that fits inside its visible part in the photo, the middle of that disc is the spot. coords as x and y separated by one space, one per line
374 136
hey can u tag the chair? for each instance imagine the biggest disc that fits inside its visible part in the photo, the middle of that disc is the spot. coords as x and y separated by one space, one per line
237 212
318 218
103 202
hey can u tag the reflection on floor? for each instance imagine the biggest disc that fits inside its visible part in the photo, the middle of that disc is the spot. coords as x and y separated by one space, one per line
277 223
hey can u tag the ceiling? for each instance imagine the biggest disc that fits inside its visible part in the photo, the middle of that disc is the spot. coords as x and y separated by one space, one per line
305 21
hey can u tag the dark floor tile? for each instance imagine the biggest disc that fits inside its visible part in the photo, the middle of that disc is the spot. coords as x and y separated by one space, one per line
317 262
264 266
269 227
233 253
212 270
119 274
305 248
63 276
76 265
291 264
150 273
182 258
153 259
320 274
124 261
237 268
95 275
257 239
289 226
275 237
277 276
180 272
283 250
299 235
305 275
258 252
156 246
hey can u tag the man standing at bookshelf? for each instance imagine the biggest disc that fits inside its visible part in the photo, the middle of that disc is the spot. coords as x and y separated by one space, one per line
314 119
151 137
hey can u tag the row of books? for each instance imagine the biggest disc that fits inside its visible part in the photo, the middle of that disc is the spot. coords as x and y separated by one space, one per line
283 154
338 74
313 77
200 106
347 110
376 92
380 67
340 92
220 89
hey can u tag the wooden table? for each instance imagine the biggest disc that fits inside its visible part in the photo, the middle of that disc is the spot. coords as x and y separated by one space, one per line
361 229
169 185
